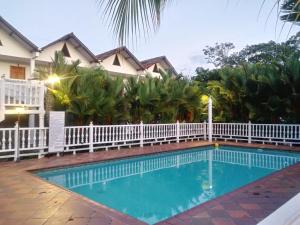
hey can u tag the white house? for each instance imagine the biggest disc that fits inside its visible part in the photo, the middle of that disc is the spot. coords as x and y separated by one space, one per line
19 58
17 53
120 61
72 49
17 63
155 65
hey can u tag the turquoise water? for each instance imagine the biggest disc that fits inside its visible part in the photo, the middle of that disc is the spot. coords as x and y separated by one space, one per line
154 188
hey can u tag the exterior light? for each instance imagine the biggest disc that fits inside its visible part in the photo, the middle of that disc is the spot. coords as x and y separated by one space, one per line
52 79
20 110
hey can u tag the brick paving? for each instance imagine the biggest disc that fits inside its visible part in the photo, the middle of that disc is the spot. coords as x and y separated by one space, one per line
28 200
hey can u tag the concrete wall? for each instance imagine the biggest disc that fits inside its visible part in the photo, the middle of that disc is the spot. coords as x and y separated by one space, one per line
11 47
125 68
5 68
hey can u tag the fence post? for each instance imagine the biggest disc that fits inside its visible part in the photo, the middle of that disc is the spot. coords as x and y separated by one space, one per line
177 131
210 125
17 142
249 132
91 137
141 134
204 130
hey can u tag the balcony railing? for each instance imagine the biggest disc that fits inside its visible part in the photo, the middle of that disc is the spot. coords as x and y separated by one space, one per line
21 93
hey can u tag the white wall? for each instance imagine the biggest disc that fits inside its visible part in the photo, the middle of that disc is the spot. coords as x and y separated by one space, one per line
47 54
150 70
5 68
11 47
125 68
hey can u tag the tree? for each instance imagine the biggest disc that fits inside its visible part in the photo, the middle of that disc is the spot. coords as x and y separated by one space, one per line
291 11
219 54
132 19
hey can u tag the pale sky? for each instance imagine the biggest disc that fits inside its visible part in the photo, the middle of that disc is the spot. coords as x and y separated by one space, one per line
187 26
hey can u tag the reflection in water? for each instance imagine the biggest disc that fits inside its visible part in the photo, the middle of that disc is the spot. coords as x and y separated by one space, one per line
157 187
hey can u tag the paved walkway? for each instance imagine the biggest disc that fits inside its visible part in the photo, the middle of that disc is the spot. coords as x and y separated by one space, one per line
28 200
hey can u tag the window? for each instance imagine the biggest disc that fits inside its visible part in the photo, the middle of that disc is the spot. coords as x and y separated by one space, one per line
155 69
65 50
116 61
17 72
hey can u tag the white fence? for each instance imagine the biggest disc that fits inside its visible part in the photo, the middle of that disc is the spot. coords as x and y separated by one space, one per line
20 142
261 133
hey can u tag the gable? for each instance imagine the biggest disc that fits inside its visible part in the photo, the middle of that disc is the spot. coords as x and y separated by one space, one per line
12 47
158 68
48 53
125 66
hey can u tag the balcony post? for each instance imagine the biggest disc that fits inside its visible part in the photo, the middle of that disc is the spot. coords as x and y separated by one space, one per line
17 142
41 104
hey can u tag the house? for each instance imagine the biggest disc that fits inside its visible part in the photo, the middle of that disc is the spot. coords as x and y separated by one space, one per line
19 58
120 61
159 64
17 63
17 53
72 49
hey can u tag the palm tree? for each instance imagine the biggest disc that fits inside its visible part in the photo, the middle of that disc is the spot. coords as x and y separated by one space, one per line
67 74
132 19
291 11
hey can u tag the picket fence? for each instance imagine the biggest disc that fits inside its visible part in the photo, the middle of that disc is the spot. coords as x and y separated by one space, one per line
19 142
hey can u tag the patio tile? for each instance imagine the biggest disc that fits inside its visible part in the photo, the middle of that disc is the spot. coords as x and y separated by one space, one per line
28 200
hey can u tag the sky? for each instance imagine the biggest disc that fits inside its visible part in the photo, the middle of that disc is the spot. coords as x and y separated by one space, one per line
187 27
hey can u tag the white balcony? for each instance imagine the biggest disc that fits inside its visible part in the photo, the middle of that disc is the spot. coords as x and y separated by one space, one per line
28 94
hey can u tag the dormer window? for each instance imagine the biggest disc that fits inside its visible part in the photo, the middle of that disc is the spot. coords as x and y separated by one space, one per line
116 61
65 50
155 69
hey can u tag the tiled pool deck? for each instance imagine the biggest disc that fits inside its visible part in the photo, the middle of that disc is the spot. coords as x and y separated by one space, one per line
28 200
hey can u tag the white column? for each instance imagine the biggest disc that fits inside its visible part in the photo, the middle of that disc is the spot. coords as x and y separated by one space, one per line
42 120
249 132
32 63
141 134
177 131
31 121
2 99
91 137
210 126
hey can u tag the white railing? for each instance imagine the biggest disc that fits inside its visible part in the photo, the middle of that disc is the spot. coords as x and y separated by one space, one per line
27 93
34 141
98 137
263 133
23 142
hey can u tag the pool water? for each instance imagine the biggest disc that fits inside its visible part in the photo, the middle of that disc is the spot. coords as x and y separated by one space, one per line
154 188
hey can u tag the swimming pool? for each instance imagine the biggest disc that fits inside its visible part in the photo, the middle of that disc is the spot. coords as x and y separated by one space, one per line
154 188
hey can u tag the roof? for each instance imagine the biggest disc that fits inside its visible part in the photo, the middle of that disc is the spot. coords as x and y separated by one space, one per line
71 37
161 60
17 35
126 54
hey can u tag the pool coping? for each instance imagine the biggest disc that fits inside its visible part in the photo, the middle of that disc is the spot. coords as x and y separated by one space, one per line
29 166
